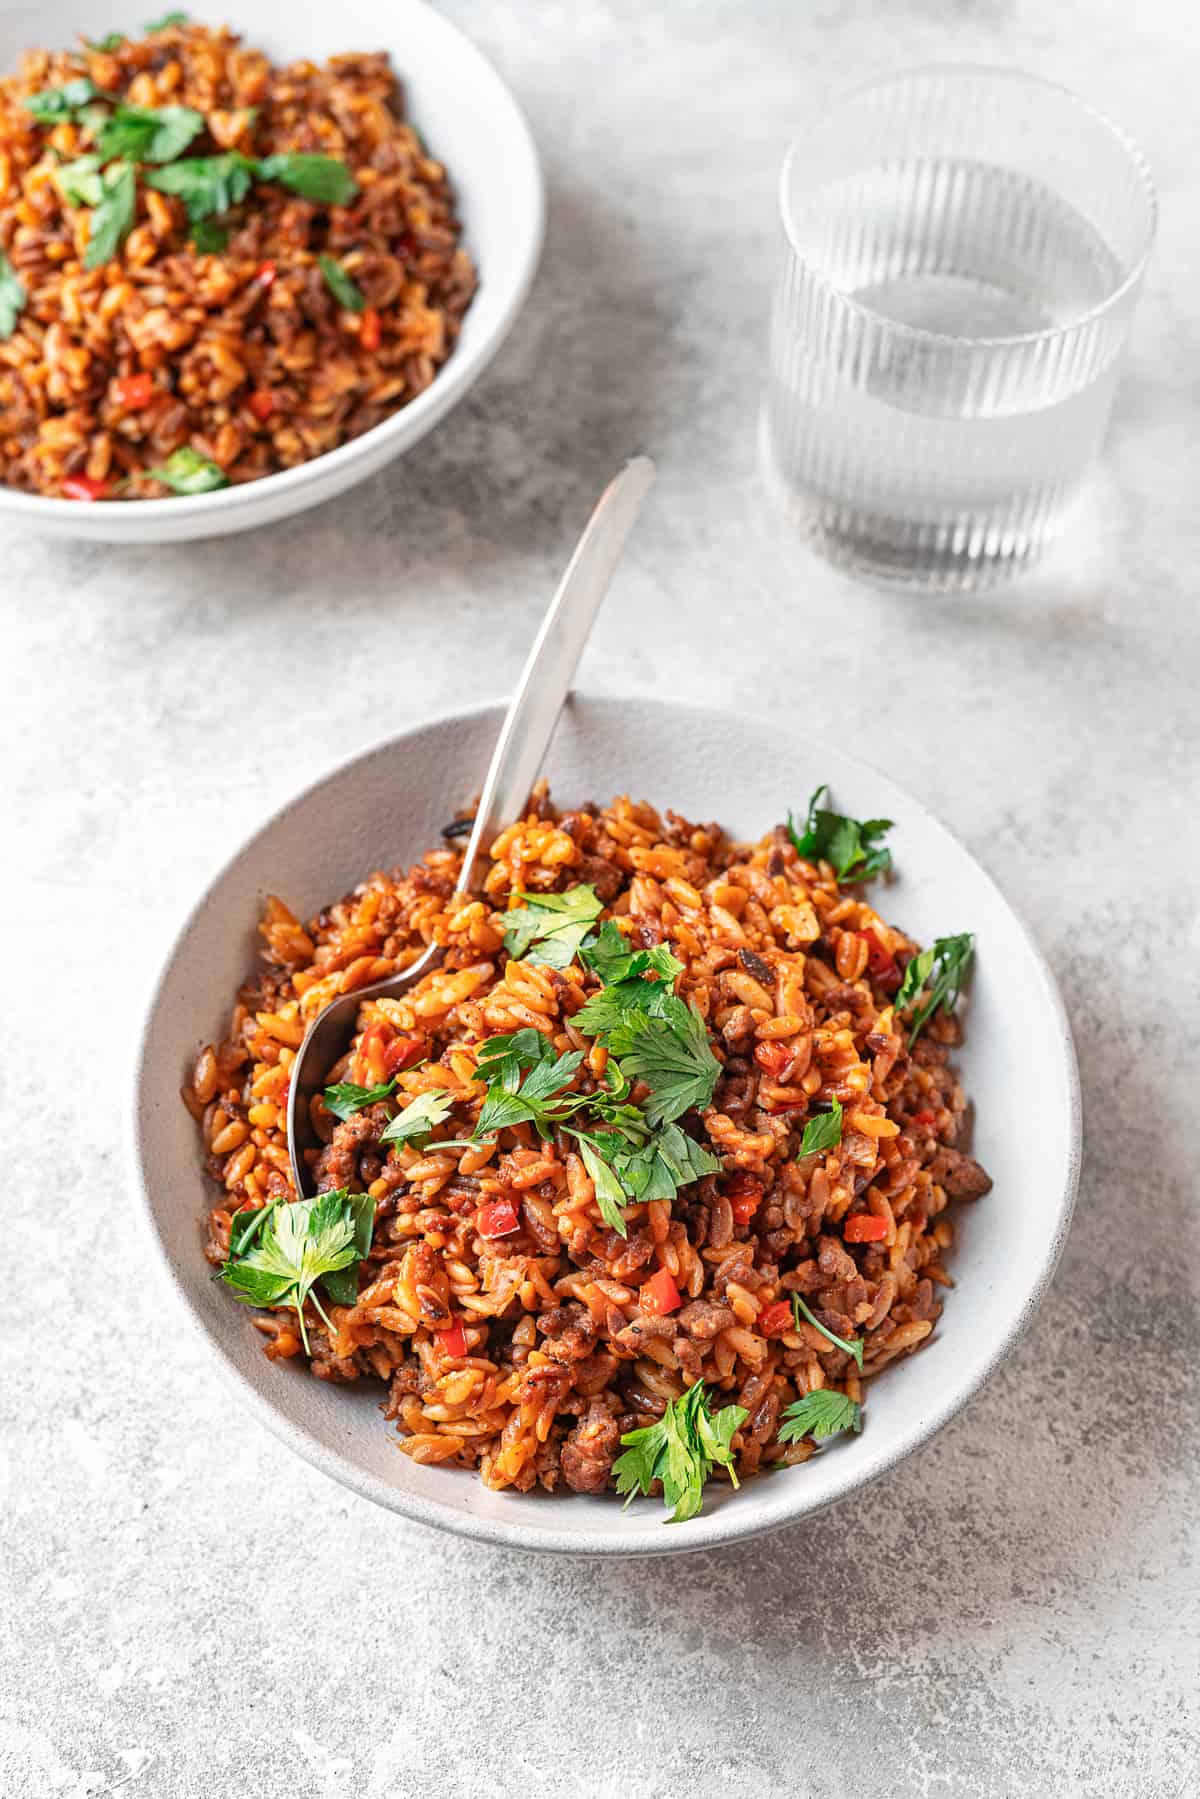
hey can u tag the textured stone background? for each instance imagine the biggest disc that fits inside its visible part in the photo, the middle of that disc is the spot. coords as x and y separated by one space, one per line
188 1611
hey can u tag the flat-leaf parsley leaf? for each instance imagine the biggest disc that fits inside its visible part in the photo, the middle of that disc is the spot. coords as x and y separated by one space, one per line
149 133
818 1415
279 1260
112 220
320 178
550 927
187 471
346 1098
54 104
12 297
340 285
942 970
206 184
824 1131
680 1449
852 849
418 1118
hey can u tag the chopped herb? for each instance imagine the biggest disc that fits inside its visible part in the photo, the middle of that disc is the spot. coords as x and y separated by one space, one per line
320 178
209 238
531 1103
346 1097
853 1346
610 1194
418 1118
633 979
668 1050
680 1449
824 1131
340 285
54 104
80 182
644 1164
187 471
298 1244
112 219
942 970
206 184
550 927
168 19
852 849
110 42
12 297
825 1413
149 133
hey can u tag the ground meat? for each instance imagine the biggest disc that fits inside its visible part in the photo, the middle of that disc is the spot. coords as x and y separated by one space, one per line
604 876
644 1327
960 1175
338 1166
755 966
702 1320
571 1332
590 1449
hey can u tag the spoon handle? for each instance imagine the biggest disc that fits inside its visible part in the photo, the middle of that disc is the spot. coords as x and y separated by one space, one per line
529 724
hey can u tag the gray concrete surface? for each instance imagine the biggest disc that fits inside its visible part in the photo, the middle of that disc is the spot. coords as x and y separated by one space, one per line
187 1611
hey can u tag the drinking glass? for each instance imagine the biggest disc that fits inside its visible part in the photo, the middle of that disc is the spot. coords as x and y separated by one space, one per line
964 252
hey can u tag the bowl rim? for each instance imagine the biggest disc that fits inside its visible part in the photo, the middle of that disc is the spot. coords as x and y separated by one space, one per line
456 376
732 1524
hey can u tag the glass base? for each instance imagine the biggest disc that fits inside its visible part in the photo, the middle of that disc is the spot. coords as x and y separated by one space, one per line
960 553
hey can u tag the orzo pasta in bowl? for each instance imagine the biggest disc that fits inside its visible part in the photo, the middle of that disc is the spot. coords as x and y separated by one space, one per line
665 1185
243 265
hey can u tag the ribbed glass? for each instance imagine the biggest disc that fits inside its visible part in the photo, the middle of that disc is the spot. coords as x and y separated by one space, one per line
964 252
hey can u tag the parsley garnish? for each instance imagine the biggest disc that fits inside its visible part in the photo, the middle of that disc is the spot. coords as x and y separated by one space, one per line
289 1247
943 969
680 1450
824 1131
340 285
206 184
853 1346
187 471
634 980
112 40
208 238
509 1103
668 1050
80 182
629 1162
550 927
12 297
321 178
852 849
112 219
824 1413
346 1098
149 133
168 18
54 104
418 1118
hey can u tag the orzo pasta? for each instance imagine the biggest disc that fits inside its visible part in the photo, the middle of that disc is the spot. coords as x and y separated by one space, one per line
654 1147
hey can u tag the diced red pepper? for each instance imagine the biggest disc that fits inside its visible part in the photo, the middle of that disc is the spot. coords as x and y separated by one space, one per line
744 1194
775 1319
499 1219
403 1053
660 1295
262 403
406 244
879 960
453 1340
772 1057
925 1117
265 273
83 487
865 1227
371 335
134 391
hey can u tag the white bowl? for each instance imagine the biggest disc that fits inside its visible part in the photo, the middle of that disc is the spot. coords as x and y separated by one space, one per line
388 806
471 123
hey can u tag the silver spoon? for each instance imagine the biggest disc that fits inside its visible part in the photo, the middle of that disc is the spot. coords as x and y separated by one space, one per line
520 750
